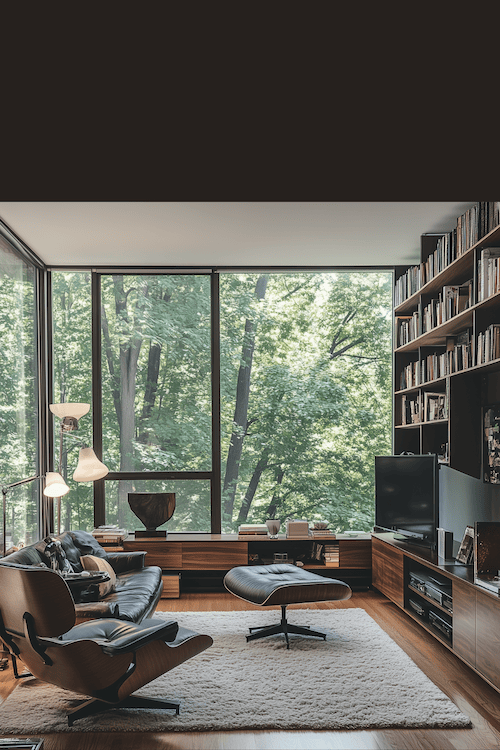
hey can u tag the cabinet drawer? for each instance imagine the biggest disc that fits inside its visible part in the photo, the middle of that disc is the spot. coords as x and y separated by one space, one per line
171 587
355 553
165 554
213 555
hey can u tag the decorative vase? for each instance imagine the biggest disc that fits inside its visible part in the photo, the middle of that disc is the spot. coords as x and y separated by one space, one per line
273 526
153 509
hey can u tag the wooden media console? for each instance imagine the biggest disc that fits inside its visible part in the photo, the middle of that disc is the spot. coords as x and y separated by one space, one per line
200 561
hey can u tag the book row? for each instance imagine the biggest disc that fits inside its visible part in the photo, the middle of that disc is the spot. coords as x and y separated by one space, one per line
451 301
415 409
459 355
474 224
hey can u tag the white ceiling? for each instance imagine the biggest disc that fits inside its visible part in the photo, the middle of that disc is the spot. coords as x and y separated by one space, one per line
217 234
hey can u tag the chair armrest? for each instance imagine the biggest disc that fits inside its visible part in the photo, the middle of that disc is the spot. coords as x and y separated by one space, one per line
121 562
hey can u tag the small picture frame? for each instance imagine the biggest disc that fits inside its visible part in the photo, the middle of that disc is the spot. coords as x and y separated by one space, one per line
466 550
21 743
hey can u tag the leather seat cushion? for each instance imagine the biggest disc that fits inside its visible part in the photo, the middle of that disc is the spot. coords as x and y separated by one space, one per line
116 636
134 597
283 584
135 592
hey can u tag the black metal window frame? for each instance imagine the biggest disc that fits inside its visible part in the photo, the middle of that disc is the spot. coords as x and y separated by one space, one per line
43 365
214 476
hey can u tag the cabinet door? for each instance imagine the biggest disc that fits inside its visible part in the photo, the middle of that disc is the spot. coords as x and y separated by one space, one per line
213 555
488 637
388 571
464 621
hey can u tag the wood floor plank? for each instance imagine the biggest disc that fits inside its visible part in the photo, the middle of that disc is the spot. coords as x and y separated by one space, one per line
472 695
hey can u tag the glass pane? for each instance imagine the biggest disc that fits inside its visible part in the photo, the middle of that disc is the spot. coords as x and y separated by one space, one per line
156 365
18 396
192 503
305 395
72 356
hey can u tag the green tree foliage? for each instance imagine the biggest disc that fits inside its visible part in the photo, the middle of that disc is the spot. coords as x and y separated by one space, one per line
157 385
72 382
305 390
18 395
318 399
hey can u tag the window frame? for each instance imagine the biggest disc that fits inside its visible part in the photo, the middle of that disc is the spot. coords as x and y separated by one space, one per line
43 365
214 476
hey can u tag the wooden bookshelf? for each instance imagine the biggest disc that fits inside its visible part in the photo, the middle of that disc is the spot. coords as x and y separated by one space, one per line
458 357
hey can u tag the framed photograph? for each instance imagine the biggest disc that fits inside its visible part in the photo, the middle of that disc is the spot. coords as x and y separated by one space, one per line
466 551
491 444
21 743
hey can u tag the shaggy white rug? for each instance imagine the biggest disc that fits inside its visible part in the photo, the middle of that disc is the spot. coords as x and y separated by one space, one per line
357 679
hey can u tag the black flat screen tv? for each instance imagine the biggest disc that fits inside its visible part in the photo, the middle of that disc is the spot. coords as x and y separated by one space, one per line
406 497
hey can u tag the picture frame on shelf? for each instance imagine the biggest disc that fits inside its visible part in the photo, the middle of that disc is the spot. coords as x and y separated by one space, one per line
465 553
491 444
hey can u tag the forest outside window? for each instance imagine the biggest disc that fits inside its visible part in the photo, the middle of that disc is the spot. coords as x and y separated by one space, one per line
305 383
305 395
18 395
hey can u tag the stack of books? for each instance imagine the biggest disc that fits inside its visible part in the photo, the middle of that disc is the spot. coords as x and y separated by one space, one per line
332 555
254 530
109 534
322 534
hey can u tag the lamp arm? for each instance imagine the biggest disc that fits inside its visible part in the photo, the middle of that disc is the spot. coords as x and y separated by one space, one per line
22 481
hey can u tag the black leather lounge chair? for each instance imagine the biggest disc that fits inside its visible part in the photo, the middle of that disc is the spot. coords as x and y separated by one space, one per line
106 660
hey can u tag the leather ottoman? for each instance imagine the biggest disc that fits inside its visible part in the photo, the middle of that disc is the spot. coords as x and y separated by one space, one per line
271 585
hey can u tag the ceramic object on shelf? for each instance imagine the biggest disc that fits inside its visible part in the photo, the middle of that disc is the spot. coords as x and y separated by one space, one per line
273 526
153 509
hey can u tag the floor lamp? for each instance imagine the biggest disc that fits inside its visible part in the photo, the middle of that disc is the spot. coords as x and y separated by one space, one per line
89 468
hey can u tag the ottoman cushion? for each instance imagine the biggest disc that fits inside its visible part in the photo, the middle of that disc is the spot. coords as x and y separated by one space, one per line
269 585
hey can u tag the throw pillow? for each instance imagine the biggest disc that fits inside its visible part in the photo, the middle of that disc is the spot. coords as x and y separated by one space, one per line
90 562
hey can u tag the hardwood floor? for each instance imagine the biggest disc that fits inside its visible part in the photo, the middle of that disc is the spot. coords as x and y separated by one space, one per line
471 694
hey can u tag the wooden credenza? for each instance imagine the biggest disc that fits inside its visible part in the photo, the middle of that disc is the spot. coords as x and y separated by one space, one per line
180 554
472 617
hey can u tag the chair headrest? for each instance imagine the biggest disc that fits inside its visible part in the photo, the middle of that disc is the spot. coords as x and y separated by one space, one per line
41 592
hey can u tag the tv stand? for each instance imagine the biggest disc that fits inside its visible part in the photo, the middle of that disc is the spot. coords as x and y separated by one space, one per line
442 597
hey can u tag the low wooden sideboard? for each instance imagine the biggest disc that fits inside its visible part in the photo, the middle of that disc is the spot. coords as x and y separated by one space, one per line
466 621
189 560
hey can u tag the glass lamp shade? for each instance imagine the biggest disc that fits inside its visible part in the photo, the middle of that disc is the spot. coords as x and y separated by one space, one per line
89 467
69 410
55 486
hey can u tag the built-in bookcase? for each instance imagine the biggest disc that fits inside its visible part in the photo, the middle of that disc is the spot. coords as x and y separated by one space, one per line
447 341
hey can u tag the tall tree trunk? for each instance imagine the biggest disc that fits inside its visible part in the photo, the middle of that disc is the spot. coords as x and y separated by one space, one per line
241 407
252 487
153 372
128 357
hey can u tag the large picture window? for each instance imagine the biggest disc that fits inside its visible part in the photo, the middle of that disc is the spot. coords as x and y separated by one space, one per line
156 387
72 358
302 364
18 395
306 404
